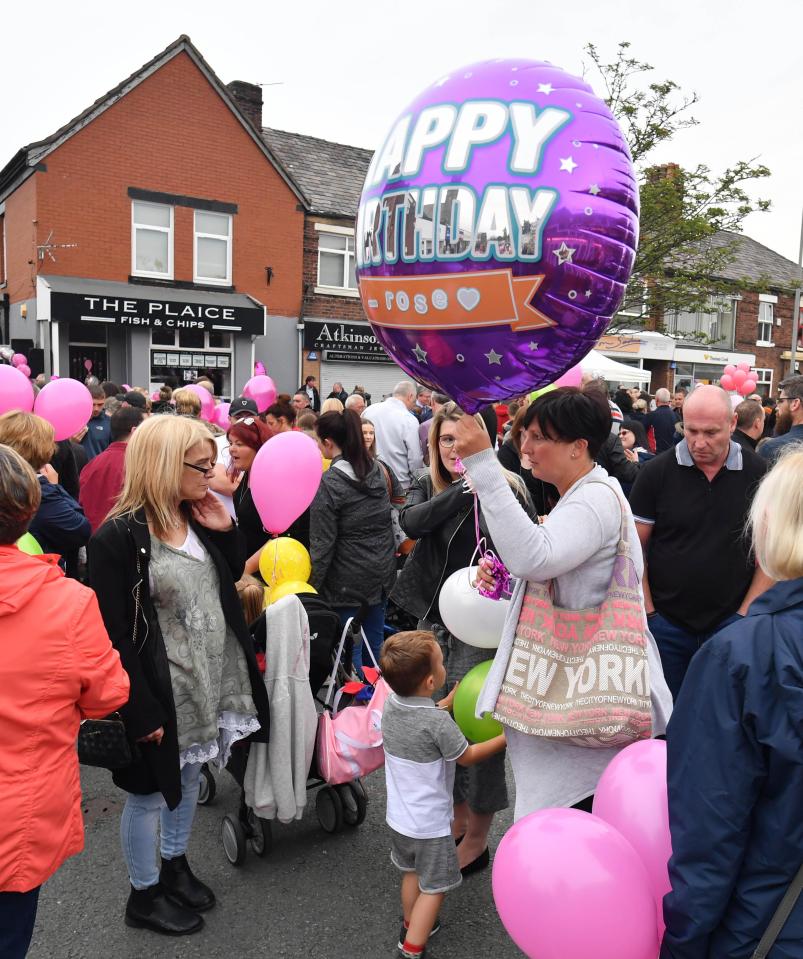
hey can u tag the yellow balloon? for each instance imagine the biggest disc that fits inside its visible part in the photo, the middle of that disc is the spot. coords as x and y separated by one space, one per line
289 588
284 560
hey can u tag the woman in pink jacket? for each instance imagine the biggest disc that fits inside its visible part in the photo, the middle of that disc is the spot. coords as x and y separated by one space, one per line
57 667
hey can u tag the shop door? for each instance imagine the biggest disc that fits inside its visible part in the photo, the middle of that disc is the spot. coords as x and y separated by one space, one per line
378 379
88 361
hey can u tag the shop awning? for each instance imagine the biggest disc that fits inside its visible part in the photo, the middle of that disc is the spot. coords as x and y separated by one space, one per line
603 366
135 306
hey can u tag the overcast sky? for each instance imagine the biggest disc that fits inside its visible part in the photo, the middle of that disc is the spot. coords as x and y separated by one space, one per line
346 70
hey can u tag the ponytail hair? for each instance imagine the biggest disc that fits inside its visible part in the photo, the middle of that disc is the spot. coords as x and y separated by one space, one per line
345 430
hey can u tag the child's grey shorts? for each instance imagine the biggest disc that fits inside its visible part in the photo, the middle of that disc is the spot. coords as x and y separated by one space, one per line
433 860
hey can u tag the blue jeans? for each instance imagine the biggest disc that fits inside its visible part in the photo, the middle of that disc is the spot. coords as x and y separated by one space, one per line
140 823
373 626
677 646
17 918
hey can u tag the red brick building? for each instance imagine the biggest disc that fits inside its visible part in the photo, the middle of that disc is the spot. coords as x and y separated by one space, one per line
154 235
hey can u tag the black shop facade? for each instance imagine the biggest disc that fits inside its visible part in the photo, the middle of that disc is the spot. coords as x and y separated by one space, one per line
145 336
348 353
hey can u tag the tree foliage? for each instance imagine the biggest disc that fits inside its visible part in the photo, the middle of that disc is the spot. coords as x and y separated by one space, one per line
682 251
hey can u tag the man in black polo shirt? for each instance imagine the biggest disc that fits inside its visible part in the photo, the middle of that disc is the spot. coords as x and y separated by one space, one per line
690 505
662 422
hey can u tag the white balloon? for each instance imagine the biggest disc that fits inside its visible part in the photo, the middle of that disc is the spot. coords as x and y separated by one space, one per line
470 616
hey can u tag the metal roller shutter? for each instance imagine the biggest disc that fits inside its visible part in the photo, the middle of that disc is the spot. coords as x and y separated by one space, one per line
378 379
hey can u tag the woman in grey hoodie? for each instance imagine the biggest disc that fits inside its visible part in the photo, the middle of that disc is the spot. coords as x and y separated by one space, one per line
575 549
351 537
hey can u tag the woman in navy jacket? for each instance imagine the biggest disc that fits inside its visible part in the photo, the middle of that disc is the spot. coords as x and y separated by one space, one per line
735 756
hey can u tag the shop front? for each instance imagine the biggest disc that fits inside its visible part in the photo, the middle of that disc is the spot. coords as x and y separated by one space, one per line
349 353
146 336
691 367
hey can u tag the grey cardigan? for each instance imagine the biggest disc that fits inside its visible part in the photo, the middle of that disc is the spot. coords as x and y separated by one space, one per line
575 547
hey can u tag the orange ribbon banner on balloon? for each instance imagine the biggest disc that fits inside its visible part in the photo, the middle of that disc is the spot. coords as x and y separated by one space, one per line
449 300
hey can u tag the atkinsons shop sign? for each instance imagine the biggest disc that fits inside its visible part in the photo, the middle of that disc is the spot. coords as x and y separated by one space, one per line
344 341
157 314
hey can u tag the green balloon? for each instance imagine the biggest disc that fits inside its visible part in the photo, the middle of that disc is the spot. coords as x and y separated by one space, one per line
27 544
465 702
544 389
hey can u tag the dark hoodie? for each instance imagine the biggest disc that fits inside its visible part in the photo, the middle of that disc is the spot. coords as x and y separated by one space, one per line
352 547
735 775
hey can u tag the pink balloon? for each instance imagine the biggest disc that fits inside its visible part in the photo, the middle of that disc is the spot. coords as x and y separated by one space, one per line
568 886
730 369
207 401
259 368
66 404
739 377
284 478
16 392
88 365
632 797
24 369
18 359
572 377
155 396
262 391
744 366
748 387
126 387
221 415
726 381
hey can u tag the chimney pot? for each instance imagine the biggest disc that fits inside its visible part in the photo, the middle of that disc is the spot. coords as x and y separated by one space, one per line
248 97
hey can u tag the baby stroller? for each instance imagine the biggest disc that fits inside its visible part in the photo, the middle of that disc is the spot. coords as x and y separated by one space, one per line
335 806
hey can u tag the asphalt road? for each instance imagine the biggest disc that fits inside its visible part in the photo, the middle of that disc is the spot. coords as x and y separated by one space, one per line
316 896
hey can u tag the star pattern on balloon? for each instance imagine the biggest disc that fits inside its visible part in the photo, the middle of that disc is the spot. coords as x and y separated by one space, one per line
545 88
420 353
594 189
493 357
533 345
564 253
588 293
567 164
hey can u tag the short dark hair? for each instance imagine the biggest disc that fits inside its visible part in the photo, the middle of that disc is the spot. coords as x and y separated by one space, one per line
282 408
97 392
310 379
110 389
793 386
20 495
125 421
406 660
748 412
568 414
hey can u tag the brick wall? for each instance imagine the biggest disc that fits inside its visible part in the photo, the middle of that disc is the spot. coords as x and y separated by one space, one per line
173 134
346 308
22 237
747 333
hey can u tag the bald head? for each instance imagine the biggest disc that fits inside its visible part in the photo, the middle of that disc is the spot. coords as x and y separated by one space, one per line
708 421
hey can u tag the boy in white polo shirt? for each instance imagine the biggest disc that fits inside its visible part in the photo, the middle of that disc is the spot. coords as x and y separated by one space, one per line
422 744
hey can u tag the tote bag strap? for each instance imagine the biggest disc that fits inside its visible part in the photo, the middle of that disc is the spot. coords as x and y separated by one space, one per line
778 921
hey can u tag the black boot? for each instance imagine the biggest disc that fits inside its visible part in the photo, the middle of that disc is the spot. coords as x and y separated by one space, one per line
183 887
151 909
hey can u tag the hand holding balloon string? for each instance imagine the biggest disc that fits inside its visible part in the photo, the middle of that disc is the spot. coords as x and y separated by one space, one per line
493 579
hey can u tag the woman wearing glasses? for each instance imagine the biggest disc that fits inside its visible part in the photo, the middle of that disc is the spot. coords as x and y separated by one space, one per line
163 566
246 436
439 514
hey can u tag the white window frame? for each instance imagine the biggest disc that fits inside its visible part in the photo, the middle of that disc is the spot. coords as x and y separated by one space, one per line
158 229
344 290
768 303
760 371
196 235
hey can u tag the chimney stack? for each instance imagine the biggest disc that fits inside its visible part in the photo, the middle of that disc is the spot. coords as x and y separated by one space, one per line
248 97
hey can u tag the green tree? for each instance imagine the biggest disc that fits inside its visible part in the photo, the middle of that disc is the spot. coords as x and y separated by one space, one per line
682 250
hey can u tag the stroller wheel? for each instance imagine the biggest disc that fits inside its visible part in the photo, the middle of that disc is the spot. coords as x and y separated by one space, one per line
355 806
261 834
329 808
233 836
207 787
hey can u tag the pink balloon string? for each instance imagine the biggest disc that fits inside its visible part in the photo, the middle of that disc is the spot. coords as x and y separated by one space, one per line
488 558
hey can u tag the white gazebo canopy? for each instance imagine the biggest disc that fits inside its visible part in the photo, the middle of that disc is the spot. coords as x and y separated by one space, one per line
603 366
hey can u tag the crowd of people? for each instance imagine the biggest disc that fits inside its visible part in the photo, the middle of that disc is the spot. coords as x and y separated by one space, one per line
151 507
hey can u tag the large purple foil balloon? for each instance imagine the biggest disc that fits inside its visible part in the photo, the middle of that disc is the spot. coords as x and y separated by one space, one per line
497 230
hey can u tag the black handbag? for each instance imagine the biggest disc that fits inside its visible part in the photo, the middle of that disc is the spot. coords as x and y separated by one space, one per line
104 743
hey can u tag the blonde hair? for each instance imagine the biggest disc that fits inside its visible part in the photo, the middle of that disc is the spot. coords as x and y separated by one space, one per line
332 405
776 517
31 436
188 403
251 594
154 465
441 479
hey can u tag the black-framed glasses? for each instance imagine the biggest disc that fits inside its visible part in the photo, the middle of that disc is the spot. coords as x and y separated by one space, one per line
206 470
